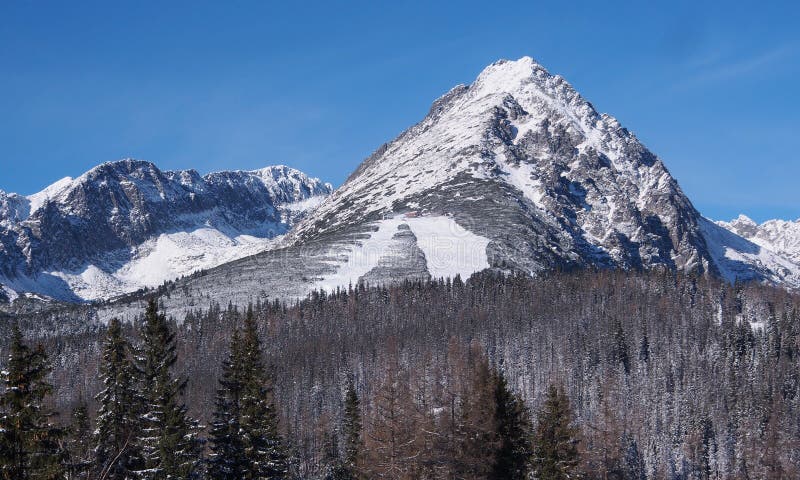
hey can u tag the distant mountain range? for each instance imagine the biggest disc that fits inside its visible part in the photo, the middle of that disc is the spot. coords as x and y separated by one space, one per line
126 225
515 172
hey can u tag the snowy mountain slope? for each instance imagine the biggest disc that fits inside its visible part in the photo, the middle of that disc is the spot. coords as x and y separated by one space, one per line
739 258
518 168
126 225
515 172
575 188
779 236
410 247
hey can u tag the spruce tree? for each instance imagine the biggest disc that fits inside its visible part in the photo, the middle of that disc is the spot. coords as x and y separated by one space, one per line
227 448
514 431
335 468
555 451
28 438
263 446
169 443
620 346
351 430
79 458
116 450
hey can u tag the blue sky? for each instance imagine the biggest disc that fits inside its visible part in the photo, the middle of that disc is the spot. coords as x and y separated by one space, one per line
712 88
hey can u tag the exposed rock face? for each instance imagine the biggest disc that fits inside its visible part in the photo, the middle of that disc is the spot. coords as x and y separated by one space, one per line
521 158
515 172
402 259
779 236
99 223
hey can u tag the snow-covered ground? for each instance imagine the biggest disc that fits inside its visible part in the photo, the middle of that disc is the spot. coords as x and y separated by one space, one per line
449 250
51 192
173 223
740 259
165 257
779 236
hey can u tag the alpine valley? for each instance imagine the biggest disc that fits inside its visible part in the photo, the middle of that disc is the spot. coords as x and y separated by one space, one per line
514 288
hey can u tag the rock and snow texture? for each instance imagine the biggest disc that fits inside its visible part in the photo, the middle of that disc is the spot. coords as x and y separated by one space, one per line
515 172
408 248
519 157
126 225
518 172
739 258
778 236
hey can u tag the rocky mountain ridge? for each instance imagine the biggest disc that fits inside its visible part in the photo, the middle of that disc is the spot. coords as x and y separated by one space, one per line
515 172
126 224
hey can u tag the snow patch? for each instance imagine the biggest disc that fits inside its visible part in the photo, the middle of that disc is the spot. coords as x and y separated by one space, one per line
172 255
449 250
740 259
308 204
49 193
521 177
362 257
160 259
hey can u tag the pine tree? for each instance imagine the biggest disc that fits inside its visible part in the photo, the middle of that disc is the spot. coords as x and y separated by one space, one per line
555 452
116 452
228 457
620 347
263 446
351 430
170 447
28 439
335 468
79 448
476 439
514 430
633 467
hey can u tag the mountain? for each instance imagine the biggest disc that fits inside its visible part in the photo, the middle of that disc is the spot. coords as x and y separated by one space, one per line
779 236
515 172
125 225
521 160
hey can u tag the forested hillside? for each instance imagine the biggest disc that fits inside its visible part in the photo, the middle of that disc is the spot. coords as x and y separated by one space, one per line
601 374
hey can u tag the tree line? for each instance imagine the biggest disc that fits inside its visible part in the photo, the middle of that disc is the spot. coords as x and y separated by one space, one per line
653 375
142 429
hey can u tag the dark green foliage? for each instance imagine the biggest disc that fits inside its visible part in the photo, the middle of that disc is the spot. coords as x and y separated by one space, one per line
351 431
335 467
29 441
228 452
699 349
168 439
619 351
632 462
259 420
116 449
79 456
246 443
514 432
555 451
347 464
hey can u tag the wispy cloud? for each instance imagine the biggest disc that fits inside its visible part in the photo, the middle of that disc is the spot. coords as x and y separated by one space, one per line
716 67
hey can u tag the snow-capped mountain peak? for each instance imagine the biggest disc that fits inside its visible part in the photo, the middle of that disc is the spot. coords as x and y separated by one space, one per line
601 195
127 224
51 192
514 172
779 236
